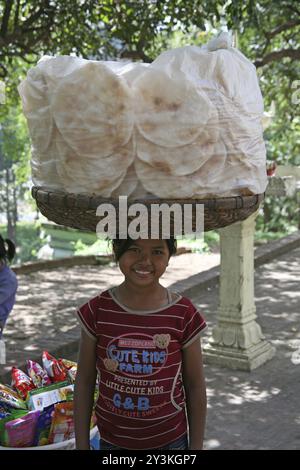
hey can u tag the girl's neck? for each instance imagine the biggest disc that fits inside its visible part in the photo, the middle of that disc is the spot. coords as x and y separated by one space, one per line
142 298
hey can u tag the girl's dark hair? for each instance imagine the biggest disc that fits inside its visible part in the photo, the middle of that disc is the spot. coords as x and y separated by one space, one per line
120 246
7 249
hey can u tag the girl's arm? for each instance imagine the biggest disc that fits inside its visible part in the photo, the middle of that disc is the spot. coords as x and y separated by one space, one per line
84 390
195 389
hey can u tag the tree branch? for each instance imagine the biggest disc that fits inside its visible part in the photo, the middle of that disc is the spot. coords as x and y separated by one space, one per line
278 55
33 18
282 27
135 55
5 19
293 9
16 19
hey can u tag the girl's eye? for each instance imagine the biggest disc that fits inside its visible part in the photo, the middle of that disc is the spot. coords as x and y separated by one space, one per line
158 252
133 248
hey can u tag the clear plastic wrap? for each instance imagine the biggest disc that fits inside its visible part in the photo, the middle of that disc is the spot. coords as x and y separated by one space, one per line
186 126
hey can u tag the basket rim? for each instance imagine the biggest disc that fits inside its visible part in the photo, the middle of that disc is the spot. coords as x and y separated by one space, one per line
60 198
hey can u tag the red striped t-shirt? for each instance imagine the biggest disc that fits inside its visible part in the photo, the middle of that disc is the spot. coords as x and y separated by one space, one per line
141 402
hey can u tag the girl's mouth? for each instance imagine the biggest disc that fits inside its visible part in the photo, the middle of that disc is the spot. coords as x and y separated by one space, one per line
141 272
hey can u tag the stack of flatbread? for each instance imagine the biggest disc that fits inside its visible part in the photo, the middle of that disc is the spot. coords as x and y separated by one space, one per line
186 126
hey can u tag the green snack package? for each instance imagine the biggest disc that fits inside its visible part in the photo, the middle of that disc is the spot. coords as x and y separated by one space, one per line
40 398
13 415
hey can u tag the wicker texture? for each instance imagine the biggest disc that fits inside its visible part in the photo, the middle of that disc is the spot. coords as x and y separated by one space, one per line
79 211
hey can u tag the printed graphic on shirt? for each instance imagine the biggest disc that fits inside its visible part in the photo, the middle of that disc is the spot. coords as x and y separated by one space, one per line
136 358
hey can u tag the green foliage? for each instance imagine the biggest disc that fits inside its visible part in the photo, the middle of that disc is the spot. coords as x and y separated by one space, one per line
270 37
28 241
268 33
14 142
280 215
207 244
100 247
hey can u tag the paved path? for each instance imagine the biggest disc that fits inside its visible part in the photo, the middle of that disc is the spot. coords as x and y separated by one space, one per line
247 410
260 409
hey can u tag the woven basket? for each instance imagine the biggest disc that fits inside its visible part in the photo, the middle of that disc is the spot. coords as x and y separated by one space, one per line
79 210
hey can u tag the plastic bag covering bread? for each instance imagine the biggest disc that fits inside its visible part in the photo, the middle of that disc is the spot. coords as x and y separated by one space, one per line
186 126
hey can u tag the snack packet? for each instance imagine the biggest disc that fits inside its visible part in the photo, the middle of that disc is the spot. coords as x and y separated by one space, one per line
21 382
40 398
21 431
37 374
43 426
10 399
62 427
14 414
54 368
71 368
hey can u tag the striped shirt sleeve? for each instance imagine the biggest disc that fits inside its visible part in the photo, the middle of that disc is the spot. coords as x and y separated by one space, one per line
87 319
194 325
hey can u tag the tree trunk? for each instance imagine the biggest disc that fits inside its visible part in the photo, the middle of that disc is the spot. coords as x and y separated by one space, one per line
11 223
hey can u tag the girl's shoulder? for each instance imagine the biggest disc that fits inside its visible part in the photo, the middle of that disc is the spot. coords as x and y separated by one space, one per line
180 299
97 301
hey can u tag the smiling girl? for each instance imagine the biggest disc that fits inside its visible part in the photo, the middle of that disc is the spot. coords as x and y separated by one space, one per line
144 341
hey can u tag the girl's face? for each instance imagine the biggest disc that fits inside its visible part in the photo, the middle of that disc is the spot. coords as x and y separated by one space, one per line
144 262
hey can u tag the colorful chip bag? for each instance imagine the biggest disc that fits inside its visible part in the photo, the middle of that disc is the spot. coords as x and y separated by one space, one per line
54 368
62 426
43 426
37 374
71 368
10 399
21 382
14 414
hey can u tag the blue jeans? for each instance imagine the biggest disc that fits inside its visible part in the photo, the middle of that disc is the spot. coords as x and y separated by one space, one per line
179 444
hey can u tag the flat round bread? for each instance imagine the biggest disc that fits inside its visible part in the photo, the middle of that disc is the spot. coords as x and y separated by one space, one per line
45 173
33 92
182 160
169 112
242 175
225 69
43 165
141 193
162 183
212 171
92 109
55 69
128 184
131 187
240 132
129 71
100 176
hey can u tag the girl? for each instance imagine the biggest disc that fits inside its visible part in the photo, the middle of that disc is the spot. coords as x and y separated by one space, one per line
8 281
144 342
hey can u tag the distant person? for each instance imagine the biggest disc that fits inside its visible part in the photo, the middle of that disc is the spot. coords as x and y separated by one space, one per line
8 281
145 342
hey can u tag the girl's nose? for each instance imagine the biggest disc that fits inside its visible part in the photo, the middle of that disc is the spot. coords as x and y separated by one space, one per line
145 256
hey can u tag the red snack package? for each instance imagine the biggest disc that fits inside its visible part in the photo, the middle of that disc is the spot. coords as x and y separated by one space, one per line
71 368
21 382
37 374
54 368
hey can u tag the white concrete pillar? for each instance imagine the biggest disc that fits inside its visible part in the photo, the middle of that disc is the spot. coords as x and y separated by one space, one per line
237 341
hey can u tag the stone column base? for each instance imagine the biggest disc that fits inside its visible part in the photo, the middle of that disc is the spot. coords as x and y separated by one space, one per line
239 359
